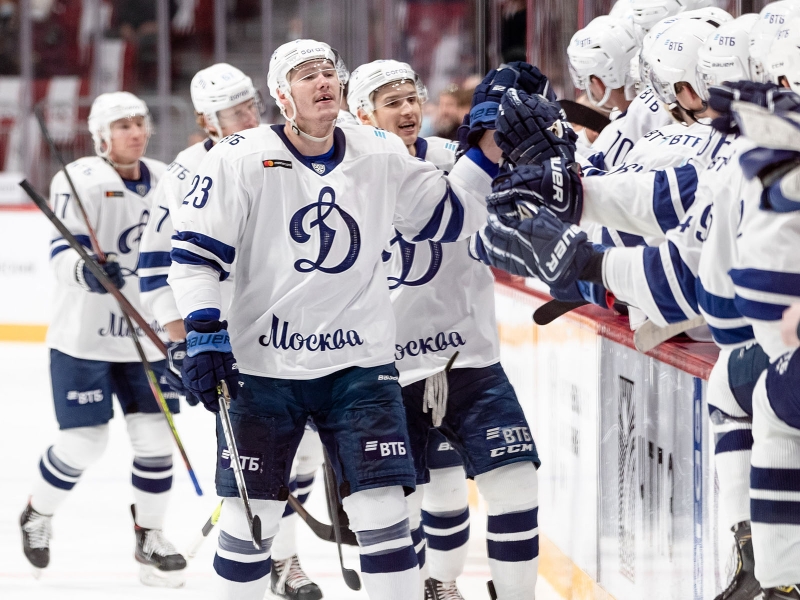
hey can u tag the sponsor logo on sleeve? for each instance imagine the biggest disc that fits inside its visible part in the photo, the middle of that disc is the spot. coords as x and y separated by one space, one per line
384 447
115 194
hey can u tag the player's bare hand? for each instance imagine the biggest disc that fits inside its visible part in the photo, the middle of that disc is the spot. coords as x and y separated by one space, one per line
789 324
489 147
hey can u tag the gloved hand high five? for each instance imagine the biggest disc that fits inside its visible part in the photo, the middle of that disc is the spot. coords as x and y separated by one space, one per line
502 247
766 95
554 184
87 280
209 358
531 129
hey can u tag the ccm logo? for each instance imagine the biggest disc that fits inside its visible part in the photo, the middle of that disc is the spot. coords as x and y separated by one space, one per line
513 449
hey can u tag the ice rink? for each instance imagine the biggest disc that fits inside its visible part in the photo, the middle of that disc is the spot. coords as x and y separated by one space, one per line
93 541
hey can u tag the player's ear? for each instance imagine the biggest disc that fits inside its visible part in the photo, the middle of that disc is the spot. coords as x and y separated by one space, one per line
365 118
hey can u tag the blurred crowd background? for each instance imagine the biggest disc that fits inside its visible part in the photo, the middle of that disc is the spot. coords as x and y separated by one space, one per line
56 55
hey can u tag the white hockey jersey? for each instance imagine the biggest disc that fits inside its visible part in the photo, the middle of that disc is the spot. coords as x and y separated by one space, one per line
308 233
766 271
156 244
443 299
86 324
612 146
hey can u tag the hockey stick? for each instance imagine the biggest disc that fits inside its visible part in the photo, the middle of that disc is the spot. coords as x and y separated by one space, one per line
550 311
351 578
650 335
128 310
192 550
492 592
321 530
578 114
254 522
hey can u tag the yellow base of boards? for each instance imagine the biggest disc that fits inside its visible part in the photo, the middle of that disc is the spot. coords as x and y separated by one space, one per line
13 332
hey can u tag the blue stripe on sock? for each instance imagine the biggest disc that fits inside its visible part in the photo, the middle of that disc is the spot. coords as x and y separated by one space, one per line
421 557
151 469
784 480
444 543
153 486
395 561
775 512
734 441
518 551
53 480
437 522
416 536
514 522
241 572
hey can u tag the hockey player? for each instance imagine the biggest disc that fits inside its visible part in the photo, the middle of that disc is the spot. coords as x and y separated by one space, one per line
226 102
443 302
647 13
304 208
91 355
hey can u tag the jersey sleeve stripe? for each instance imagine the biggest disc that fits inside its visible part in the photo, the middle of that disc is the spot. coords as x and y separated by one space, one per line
773 282
195 242
673 194
186 257
620 239
456 221
59 244
477 156
449 211
732 336
662 279
760 311
716 306
151 260
149 284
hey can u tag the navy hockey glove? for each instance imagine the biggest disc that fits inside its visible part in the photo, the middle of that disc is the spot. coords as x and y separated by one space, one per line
90 283
486 103
766 95
530 130
562 252
585 291
176 352
209 360
531 80
779 174
502 247
553 184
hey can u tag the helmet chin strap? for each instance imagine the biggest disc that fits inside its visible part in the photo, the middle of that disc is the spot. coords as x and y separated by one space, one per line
300 132
598 103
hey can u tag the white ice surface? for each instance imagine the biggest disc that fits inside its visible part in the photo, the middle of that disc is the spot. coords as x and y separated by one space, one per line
93 542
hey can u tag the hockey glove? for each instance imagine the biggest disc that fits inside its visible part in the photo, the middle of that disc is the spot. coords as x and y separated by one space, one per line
561 251
585 291
90 283
500 246
209 359
176 352
531 80
530 130
553 184
779 173
486 103
767 95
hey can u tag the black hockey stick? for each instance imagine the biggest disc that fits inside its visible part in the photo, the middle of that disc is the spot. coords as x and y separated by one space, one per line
492 592
578 114
351 578
322 530
550 311
129 311
254 522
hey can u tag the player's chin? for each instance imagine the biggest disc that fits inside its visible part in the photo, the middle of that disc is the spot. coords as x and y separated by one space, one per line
327 108
408 134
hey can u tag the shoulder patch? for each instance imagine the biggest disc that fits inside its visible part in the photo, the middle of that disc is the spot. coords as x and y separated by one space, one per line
379 133
286 164
115 194
452 146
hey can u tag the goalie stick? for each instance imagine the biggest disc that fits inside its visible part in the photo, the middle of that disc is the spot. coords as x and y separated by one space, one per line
650 335
127 308
253 522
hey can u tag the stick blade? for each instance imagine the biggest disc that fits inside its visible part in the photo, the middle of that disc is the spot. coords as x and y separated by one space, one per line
650 335
550 311
257 532
352 579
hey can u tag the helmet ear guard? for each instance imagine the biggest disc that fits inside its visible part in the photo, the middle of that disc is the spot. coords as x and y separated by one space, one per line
111 107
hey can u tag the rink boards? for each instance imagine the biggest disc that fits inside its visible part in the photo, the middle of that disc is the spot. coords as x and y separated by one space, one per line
627 489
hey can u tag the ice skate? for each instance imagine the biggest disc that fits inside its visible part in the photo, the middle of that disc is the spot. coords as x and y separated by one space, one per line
161 564
288 580
441 590
36 532
791 592
744 585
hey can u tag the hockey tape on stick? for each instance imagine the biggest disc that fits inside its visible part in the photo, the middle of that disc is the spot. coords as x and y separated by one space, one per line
650 335
192 550
253 522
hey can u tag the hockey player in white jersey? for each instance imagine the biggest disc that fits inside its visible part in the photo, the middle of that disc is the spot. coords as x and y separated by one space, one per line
226 102
305 208
443 302
646 13
91 355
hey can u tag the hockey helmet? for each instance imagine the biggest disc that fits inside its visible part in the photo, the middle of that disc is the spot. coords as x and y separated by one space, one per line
368 78
218 87
110 107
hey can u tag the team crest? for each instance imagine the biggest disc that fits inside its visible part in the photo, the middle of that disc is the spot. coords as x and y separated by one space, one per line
319 168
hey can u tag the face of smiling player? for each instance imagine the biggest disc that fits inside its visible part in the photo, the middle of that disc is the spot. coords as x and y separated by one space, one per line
398 109
316 92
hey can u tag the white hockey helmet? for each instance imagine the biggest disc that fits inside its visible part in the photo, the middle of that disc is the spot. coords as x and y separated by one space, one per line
647 13
218 87
603 49
783 59
622 9
772 18
291 55
673 58
368 78
725 55
110 107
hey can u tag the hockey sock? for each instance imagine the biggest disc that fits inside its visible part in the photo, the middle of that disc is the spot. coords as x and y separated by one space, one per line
414 502
379 518
242 570
151 472
445 518
62 464
775 477
512 532
285 543
732 428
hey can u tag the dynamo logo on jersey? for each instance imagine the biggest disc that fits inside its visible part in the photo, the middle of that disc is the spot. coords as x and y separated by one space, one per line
408 256
327 216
